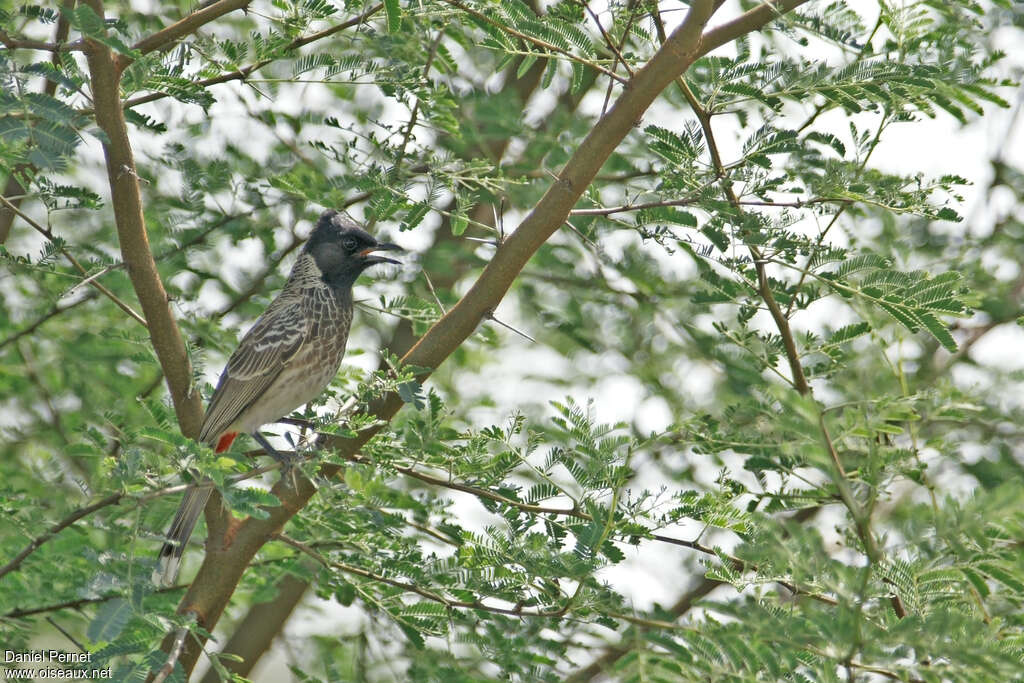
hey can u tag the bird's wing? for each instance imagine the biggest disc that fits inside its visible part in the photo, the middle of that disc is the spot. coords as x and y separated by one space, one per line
263 352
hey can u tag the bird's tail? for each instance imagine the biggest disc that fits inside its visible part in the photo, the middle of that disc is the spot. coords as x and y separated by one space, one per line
169 560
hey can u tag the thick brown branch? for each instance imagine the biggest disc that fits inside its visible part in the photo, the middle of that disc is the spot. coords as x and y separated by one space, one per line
749 21
178 30
134 241
255 633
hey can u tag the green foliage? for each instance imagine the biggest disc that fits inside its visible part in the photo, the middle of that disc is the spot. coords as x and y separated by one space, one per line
756 434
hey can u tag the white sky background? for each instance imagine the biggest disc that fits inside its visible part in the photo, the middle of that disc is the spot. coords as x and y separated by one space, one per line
654 572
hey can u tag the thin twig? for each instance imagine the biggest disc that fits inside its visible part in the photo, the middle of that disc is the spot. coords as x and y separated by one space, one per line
46 317
693 199
450 603
20 613
835 219
44 393
117 499
56 529
414 115
64 632
48 234
543 44
861 518
23 43
430 286
619 59
244 72
255 286
172 658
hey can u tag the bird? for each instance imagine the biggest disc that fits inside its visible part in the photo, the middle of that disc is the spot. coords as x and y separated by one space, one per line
285 360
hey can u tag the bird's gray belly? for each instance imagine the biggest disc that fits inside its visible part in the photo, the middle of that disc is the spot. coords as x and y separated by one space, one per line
304 378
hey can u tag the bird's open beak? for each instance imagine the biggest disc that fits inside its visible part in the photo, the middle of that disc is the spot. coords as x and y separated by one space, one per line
383 246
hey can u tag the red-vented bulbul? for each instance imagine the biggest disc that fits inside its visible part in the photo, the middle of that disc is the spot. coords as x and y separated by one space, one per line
288 357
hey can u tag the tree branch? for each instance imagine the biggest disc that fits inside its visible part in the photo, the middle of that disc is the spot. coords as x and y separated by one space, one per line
450 603
131 231
860 517
48 234
116 499
693 199
13 188
55 311
763 285
26 44
684 604
246 71
747 22
542 44
255 633
178 30
56 529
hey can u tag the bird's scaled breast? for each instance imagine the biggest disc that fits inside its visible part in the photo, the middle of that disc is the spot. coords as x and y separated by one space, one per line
305 375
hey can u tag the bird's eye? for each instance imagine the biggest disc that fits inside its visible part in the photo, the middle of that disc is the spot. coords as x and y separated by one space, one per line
349 244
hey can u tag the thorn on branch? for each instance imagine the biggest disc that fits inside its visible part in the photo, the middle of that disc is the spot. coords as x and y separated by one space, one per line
489 315
493 243
128 170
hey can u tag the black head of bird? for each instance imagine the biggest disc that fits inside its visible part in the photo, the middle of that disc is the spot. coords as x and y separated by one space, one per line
342 250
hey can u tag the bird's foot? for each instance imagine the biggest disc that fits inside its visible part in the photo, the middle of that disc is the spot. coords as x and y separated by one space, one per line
287 460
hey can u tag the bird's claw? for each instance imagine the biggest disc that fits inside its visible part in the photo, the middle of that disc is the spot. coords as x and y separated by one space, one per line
287 460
